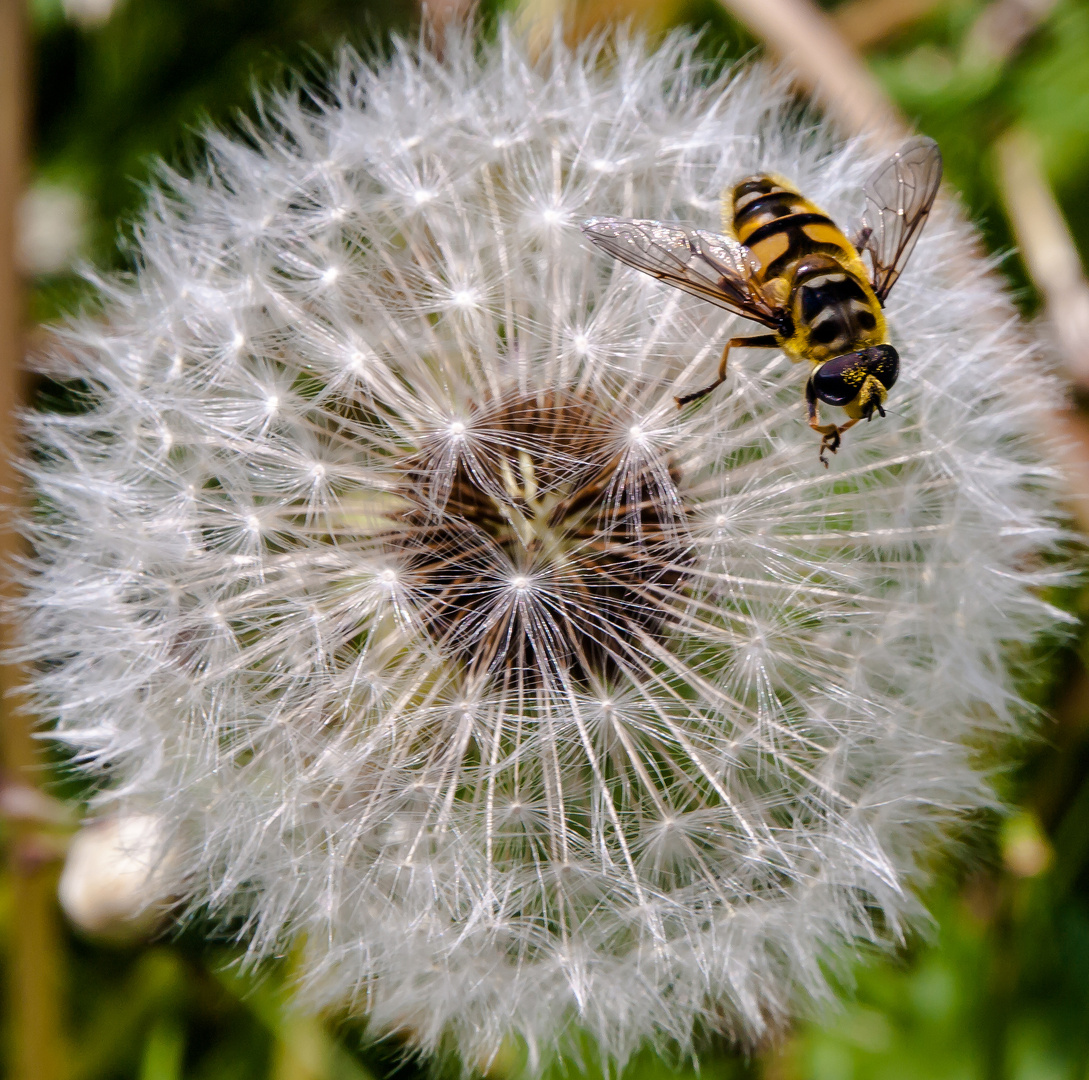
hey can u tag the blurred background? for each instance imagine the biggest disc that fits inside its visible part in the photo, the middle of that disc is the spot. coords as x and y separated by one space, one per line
997 986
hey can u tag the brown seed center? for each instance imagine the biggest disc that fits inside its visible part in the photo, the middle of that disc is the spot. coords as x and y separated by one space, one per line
552 547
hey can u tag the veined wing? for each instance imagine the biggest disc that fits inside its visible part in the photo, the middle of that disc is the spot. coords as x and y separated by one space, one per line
705 264
898 199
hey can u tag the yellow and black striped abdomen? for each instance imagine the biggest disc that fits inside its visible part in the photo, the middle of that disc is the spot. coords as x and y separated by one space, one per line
780 226
807 267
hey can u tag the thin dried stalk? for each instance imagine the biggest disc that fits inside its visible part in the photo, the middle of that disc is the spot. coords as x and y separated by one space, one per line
1001 30
864 23
34 948
810 44
1047 248
1070 427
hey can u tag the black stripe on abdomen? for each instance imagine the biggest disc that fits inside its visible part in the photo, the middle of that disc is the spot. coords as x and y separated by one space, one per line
799 243
765 208
790 222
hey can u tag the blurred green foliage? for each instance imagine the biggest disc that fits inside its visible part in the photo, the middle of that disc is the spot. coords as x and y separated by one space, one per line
999 988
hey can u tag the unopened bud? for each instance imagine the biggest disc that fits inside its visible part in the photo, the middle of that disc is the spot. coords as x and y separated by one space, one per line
113 883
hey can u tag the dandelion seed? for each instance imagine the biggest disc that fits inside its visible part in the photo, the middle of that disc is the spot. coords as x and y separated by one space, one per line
445 643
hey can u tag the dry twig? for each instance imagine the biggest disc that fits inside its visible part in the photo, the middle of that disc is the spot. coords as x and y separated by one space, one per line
1001 29
809 43
867 22
33 990
1047 248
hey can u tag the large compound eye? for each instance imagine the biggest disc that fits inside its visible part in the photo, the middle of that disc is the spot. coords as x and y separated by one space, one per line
883 362
839 380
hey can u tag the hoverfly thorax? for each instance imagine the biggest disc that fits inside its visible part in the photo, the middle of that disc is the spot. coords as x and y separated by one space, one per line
833 310
783 262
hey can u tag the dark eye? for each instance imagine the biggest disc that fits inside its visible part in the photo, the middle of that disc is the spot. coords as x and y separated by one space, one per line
838 381
884 362
825 333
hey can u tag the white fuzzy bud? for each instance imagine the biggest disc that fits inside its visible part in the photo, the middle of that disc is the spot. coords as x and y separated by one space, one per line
112 885
382 561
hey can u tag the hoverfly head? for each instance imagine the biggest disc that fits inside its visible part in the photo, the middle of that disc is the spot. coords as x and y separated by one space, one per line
858 381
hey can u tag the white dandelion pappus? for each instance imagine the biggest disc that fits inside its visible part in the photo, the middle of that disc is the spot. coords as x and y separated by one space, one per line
381 565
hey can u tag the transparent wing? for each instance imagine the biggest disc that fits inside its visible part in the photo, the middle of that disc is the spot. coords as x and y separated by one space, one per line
898 199
712 267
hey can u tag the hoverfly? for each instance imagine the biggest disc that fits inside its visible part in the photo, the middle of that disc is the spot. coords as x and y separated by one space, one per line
786 264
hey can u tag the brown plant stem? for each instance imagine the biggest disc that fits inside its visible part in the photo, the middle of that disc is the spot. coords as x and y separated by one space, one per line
34 948
581 18
1001 29
1054 267
808 42
1047 248
867 22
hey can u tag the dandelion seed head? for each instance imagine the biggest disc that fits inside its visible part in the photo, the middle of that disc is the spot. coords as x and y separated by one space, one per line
382 561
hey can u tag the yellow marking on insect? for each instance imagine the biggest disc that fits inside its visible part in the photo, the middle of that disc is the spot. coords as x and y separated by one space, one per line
771 247
825 234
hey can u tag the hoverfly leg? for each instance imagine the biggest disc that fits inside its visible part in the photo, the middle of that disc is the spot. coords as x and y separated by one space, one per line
682 401
758 341
830 440
831 436
696 395
829 433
